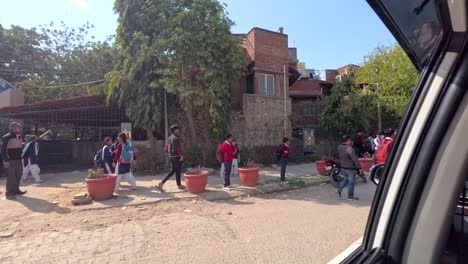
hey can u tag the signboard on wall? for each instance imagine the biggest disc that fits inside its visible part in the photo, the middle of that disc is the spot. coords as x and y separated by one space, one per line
301 65
127 129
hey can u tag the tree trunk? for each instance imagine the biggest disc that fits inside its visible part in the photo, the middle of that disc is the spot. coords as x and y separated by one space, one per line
191 124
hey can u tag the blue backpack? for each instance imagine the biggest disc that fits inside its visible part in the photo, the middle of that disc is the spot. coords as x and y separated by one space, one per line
126 156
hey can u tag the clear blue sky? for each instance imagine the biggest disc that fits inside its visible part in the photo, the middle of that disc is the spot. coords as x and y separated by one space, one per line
328 33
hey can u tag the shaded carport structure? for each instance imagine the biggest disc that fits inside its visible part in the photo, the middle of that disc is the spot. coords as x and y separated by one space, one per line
78 126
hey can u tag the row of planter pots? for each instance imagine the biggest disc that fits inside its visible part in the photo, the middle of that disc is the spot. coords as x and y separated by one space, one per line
366 164
102 187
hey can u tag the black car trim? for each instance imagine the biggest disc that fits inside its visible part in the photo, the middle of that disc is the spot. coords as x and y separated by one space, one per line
382 12
426 77
412 187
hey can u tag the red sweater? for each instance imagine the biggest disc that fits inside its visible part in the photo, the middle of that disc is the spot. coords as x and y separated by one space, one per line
284 148
228 151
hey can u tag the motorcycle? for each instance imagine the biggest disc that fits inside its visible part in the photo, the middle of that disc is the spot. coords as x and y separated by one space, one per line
333 171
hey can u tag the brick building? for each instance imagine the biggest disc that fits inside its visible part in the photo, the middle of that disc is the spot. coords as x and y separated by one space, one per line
260 99
308 99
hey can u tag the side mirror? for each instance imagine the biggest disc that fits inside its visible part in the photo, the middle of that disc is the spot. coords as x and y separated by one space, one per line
376 173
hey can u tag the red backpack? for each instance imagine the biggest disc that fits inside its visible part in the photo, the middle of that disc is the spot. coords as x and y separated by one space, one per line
383 151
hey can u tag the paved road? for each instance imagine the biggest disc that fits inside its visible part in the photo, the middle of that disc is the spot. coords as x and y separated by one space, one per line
310 225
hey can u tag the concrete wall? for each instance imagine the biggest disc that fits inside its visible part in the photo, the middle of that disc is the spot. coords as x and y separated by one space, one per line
260 123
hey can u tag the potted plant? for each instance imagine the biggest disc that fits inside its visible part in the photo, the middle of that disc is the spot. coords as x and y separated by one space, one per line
321 167
100 186
366 162
196 181
249 174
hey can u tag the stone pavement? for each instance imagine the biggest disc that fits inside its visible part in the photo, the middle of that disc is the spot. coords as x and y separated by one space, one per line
56 193
122 239
115 244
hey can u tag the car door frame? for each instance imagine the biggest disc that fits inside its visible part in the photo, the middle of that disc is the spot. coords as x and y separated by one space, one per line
376 245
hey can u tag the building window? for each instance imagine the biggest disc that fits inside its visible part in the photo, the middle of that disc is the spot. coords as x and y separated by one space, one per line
266 85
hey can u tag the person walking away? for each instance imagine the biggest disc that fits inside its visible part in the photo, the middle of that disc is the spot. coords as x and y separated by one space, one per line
113 147
107 156
235 161
121 163
219 157
176 158
349 167
284 152
30 157
228 156
386 145
359 144
377 141
11 151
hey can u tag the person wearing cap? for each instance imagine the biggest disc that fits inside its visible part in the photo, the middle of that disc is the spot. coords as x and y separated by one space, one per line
11 152
349 167
228 150
30 159
175 156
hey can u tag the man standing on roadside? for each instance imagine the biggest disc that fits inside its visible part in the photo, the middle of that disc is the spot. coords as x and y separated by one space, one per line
11 151
284 152
228 150
349 167
175 155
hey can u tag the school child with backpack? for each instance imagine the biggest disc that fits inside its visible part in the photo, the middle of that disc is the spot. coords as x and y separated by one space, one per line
174 150
283 156
122 162
30 157
103 158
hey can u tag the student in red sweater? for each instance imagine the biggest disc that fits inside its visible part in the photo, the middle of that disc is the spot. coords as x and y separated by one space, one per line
284 151
228 150
122 160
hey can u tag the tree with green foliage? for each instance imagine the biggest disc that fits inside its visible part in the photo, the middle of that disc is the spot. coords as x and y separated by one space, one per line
389 74
183 46
32 59
346 110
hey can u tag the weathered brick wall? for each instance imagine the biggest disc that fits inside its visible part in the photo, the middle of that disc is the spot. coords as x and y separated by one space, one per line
271 50
261 121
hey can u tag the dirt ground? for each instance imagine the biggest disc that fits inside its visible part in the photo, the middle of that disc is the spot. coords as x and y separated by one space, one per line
309 225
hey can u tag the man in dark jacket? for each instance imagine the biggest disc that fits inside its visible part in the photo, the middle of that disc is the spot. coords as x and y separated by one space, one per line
349 167
11 151
175 155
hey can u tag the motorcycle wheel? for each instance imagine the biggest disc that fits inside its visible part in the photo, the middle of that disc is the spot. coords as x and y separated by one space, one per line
335 177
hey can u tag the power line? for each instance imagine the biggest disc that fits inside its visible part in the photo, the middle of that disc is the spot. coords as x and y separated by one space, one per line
72 85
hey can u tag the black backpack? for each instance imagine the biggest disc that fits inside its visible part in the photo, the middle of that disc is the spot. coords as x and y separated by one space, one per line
278 152
369 146
98 159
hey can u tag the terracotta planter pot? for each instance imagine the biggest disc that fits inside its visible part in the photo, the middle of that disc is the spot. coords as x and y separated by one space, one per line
101 188
196 181
366 164
321 168
249 176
